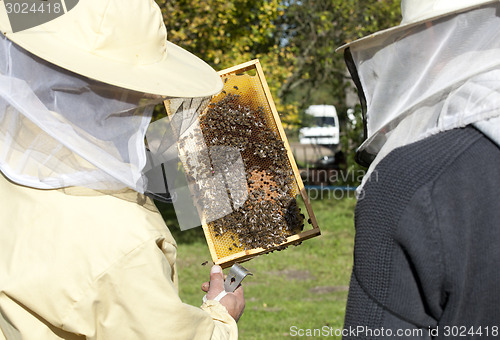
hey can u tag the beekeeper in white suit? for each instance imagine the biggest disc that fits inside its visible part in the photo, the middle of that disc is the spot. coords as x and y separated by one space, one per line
83 253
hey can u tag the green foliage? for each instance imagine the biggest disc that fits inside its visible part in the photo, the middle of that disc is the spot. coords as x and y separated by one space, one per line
228 33
223 33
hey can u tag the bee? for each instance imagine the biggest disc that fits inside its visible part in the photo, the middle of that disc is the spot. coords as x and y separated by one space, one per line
204 263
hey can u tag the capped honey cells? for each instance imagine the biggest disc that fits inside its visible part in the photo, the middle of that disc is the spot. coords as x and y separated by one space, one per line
268 213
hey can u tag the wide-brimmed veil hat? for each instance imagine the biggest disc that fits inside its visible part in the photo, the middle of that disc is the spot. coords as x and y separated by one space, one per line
77 94
122 43
436 71
415 12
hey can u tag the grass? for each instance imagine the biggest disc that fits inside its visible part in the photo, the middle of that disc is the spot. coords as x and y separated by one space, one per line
303 286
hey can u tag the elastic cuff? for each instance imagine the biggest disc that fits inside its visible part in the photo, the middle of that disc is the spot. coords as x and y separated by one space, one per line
217 298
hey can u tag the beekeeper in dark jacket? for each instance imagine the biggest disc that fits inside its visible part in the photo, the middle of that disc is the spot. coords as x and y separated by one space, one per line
427 221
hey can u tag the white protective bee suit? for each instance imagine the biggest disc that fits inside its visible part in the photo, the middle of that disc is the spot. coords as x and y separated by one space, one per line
84 254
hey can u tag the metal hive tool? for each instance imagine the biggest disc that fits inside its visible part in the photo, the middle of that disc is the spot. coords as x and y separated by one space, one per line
243 116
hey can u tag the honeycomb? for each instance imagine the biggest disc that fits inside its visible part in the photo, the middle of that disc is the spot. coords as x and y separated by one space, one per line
240 116
250 93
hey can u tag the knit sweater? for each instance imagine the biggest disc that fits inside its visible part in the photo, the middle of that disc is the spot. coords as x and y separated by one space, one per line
427 251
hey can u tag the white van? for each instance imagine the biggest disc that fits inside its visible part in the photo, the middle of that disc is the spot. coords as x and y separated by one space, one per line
325 130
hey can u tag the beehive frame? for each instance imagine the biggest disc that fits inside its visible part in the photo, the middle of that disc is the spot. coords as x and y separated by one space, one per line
254 68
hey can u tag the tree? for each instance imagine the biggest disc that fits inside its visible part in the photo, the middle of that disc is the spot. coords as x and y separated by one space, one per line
226 33
312 30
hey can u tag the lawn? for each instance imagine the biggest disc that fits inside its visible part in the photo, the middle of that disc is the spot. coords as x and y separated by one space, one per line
303 286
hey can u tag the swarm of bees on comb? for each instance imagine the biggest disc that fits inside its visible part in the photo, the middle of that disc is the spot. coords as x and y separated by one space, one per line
269 214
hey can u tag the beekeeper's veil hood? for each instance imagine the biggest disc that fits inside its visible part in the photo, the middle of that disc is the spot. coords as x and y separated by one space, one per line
77 94
438 70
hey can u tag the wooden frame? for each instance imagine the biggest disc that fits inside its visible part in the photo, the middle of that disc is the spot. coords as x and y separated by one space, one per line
246 255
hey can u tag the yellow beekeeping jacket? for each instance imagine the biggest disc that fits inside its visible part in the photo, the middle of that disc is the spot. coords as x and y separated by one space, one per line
79 264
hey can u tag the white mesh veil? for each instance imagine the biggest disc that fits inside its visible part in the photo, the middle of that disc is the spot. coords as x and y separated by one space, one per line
434 77
58 129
